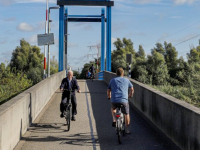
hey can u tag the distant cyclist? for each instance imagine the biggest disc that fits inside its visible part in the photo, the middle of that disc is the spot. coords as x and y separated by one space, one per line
92 70
118 93
88 74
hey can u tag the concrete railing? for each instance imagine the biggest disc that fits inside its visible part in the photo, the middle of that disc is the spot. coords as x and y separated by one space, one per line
177 119
18 113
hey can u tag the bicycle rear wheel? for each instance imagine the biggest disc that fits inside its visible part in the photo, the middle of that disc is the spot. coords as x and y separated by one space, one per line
119 131
123 125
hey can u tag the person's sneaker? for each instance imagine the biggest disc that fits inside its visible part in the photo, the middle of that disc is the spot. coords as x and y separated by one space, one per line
114 124
73 118
61 115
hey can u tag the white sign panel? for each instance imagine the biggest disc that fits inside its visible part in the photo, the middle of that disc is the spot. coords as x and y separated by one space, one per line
45 39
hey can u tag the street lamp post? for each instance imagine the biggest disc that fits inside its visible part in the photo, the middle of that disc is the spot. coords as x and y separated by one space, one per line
48 33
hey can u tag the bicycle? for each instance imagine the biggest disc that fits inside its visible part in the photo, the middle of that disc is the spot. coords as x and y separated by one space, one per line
92 77
120 123
68 110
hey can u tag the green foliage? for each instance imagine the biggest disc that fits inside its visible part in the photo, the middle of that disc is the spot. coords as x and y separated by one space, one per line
194 55
11 83
85 69
157 68
76 74
119 55
28 59
53 65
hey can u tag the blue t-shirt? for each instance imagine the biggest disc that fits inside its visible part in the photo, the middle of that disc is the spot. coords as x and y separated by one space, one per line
119 89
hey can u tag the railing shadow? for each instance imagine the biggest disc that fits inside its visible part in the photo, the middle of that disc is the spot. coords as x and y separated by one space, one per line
143 137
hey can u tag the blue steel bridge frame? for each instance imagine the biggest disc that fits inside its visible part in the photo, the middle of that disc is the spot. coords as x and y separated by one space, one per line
64 18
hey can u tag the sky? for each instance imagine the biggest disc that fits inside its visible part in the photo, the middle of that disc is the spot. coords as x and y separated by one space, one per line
145 22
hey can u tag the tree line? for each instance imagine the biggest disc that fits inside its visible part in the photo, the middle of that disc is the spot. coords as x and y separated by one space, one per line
24 70
161 69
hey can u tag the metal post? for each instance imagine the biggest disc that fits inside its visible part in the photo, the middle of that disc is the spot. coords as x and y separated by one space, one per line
61 37
45 45
108 53
66 31
102 39
48 47
48 44
129 70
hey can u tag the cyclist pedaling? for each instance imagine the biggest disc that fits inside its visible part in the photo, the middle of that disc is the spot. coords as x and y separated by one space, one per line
118 93
92 70
67 84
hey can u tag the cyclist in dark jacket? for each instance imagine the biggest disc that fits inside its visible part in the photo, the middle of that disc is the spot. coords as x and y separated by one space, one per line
92 70
69 82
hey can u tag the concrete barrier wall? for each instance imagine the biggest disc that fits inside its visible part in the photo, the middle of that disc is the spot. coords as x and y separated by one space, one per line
177 119
17 114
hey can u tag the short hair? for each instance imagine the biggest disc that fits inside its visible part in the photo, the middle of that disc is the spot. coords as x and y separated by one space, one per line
120 71
70 71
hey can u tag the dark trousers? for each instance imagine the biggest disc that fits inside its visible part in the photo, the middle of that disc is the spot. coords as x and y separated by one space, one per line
65 100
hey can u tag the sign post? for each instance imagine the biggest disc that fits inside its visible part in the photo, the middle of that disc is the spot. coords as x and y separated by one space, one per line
129 60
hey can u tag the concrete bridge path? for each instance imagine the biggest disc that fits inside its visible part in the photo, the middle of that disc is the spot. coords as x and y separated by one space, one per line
92 129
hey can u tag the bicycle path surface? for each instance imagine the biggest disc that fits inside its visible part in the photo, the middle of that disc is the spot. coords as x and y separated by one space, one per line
92 129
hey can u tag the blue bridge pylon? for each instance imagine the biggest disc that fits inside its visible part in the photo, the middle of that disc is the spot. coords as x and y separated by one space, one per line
64 18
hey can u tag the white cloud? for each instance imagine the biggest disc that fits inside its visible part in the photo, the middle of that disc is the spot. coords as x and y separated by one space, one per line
176 17
9 19
9 2
113 39
6 2
5 56
25 27
3 40
146 1
72 44
179 2
32 39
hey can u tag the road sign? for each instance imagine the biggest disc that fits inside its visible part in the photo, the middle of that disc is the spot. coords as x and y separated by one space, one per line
128 58
45 39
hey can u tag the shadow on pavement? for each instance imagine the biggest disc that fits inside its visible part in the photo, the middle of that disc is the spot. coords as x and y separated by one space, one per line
142 136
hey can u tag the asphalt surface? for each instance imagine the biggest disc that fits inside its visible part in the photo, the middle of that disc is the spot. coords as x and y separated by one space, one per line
92 129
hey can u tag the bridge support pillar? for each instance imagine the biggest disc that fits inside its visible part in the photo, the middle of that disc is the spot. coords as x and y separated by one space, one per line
61 38
108 39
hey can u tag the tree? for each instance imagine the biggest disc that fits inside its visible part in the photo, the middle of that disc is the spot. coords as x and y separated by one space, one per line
140 53
119 55
53 65
157 68
11 83
159 48
139 71
85 69
194 55
170 56
28 59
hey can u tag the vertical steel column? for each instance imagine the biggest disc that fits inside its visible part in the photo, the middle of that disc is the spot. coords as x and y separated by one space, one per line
102 39
108 39
61 37
66 31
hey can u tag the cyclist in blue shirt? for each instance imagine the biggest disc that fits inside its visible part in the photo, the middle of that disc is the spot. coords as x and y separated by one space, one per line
119 90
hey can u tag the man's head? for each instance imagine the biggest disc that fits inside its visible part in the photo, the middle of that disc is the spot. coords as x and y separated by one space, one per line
70 74
92 64
120 72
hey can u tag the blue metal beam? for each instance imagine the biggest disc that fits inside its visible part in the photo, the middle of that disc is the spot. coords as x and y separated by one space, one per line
61 37
84 16
84 19
108 37
102 39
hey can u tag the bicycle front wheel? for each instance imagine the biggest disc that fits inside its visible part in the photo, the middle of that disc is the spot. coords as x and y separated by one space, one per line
119 131
68 119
